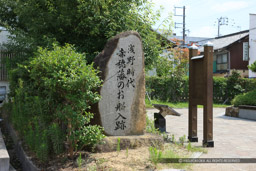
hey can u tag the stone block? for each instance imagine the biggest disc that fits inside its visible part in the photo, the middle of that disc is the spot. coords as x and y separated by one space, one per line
232 111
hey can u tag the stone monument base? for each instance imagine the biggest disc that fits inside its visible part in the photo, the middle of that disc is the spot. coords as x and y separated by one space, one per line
131 142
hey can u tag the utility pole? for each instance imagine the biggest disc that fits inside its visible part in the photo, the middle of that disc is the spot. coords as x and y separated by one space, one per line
184 30
183 23
222 21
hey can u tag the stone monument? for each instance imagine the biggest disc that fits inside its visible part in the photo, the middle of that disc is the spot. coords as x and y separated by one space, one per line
121 110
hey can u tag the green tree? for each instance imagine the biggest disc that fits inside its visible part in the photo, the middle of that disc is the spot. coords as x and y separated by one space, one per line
87 24
164 66
174 62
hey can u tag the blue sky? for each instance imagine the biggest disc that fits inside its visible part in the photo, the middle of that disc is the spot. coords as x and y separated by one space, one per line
202 15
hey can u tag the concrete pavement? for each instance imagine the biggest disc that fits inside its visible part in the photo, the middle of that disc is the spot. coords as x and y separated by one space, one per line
233 138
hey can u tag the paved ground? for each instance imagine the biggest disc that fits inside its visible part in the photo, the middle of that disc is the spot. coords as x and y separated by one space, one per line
233 138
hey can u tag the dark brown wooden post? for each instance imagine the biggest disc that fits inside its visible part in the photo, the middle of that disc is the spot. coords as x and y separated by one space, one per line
201 93
192 121
208 93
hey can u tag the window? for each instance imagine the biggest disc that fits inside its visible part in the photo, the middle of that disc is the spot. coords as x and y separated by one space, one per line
222 62
245 51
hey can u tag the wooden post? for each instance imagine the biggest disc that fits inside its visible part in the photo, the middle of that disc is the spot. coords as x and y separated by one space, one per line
201 93
192 122
208 99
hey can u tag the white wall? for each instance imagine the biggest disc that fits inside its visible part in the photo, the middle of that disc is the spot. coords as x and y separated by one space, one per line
252 43
3 37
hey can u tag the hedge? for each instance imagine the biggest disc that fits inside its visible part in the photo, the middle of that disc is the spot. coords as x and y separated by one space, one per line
173 89
245 99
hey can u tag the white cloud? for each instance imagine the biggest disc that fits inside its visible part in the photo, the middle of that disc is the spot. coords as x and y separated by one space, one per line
168 8
205 31
230 6
167 5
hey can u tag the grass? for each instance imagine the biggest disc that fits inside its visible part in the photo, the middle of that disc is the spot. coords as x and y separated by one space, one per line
170 154
79 161
99 165
150 126
176 150
154 155
170 151
118 145
176 105
127 154
189 146
195 149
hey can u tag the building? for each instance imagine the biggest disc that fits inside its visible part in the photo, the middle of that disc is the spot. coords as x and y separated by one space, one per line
231 52
175 41
191 40
252 43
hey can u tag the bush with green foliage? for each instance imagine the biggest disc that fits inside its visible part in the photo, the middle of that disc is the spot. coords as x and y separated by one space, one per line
51 97
164 66
173 89
234 85
219 89
248 98
253 67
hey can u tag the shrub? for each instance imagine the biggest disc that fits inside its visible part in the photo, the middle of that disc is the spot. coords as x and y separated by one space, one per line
252 67
42 149
234 85
219 89
245 99
54 93
56 137
167 88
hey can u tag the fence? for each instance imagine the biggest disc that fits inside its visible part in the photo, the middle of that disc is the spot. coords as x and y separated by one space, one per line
5 56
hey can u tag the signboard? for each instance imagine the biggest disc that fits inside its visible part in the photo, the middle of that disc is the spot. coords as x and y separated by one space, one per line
201 93
245 51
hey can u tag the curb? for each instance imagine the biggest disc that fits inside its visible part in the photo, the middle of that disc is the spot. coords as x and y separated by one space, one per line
27 164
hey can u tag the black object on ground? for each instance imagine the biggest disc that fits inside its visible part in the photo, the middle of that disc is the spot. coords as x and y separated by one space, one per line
159 118
160 122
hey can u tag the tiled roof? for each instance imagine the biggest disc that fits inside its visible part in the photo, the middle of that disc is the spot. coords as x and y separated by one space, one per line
224 41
